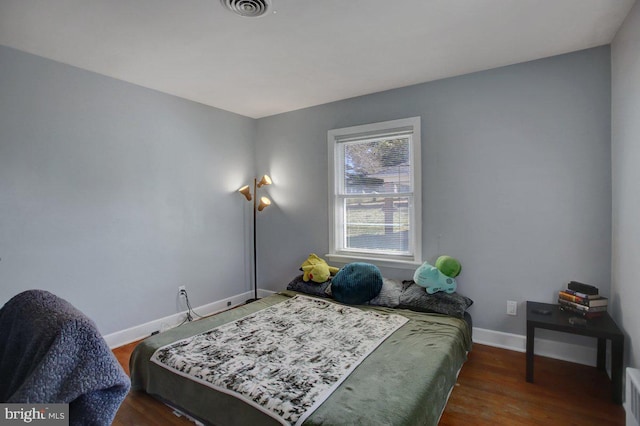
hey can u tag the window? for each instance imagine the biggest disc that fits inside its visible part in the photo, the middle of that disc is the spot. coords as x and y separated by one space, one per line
374 192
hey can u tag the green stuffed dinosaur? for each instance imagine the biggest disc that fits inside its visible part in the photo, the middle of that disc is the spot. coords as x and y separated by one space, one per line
316 269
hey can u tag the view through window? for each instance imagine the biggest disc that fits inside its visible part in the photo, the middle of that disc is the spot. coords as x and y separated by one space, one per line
374 190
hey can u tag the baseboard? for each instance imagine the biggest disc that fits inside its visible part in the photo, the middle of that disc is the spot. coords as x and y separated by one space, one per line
549 348
142 331
544 347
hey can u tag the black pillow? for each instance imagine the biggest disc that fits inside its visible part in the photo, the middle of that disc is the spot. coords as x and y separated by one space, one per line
310 287
416 298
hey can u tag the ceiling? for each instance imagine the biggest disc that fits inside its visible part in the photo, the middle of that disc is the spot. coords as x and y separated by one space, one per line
303 52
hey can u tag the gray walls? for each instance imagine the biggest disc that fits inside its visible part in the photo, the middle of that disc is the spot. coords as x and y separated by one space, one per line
516 179
112 195
625 291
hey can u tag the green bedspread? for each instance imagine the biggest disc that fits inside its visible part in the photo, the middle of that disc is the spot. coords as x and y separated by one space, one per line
405 381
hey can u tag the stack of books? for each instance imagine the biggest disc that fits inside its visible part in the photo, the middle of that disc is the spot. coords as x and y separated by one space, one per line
582 299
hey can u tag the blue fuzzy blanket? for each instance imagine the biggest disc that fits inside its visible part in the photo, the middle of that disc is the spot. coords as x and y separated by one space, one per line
50 352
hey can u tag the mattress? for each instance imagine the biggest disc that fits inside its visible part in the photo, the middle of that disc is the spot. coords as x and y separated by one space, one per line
406 380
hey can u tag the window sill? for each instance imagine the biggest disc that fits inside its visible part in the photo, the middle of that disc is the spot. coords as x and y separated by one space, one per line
386 263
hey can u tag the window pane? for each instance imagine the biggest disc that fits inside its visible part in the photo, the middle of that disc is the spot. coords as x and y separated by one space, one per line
376 167
377 224
374 191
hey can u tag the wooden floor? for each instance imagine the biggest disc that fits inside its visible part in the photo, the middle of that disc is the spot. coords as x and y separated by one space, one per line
491 390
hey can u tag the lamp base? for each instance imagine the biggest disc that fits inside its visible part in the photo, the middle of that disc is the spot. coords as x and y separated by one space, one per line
251 301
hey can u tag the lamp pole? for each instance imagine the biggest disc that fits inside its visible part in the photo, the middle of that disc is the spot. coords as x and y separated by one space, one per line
255 257
264 202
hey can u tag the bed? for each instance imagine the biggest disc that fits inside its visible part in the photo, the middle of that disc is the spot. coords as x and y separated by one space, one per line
405 378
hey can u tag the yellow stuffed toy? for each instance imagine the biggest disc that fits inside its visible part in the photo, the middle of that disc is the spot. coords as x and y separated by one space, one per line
316 269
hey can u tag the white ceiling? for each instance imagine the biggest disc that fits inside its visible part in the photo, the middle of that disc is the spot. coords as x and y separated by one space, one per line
307 53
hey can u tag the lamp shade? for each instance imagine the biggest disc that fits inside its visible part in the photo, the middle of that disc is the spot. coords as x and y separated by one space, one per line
266 180
246 191
264 203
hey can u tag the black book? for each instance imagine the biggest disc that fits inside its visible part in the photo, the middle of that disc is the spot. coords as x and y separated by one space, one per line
583 288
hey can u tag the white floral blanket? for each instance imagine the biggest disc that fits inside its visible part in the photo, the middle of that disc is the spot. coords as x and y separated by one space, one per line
286 359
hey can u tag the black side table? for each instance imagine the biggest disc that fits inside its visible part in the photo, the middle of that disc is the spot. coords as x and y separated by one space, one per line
602 328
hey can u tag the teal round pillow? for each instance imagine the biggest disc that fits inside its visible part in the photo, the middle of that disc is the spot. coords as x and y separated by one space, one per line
356 283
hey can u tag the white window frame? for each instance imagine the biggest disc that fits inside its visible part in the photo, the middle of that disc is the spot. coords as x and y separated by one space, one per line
337 251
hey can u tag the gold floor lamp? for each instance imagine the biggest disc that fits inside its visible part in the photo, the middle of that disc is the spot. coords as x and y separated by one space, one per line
257 207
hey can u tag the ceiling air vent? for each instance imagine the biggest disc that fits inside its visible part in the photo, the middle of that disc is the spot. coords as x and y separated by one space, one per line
247 8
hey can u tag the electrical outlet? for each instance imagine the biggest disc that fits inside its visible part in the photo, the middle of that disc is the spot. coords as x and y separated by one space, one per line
512 307
181 290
